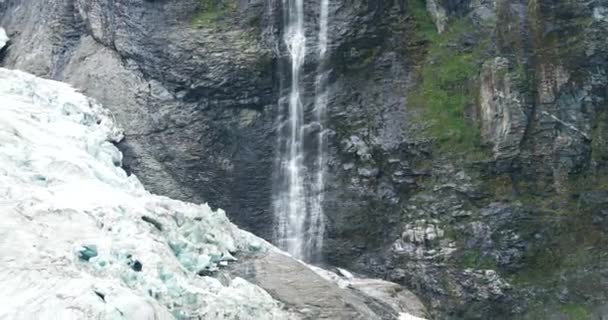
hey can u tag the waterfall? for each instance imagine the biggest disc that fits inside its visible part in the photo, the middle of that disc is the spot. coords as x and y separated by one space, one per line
290 206
317 217
298 203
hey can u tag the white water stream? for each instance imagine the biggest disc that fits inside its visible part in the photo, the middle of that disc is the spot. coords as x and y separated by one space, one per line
299 217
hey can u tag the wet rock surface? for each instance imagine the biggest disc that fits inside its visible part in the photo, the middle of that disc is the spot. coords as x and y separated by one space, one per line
311 296
392 294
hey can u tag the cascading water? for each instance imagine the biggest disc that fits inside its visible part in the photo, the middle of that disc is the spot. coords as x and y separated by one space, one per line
290 205
299 217
317 217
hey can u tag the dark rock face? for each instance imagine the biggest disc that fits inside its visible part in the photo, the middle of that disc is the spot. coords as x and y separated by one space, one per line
199 104
515 229
368 148
516 232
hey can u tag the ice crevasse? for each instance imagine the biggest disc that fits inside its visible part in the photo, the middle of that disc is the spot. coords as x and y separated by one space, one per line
80 239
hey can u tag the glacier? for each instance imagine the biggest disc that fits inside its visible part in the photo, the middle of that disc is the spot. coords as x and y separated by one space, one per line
81 239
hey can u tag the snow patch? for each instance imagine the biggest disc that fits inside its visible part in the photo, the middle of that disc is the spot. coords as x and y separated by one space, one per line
79 239
600 14
3 38
333 277
407 316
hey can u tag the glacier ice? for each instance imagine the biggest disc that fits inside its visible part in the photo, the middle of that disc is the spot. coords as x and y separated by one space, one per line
63 196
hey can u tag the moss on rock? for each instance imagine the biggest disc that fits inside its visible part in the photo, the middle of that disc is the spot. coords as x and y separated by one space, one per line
211 12
448 82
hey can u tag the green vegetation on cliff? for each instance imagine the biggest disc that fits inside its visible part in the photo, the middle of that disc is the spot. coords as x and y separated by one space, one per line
210 11
474 260
448 86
